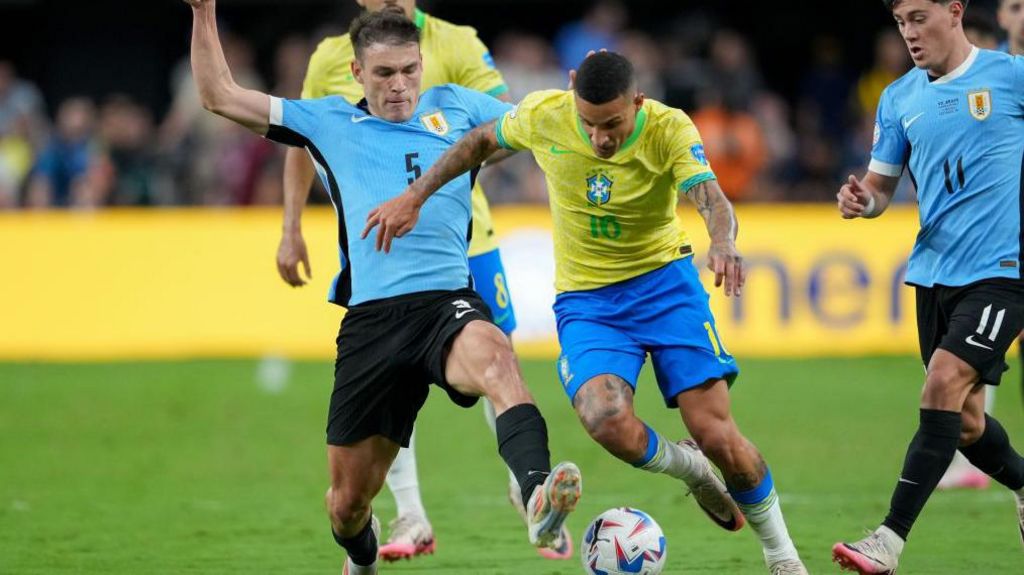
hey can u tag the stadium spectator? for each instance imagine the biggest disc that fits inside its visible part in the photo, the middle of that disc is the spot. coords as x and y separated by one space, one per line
648 62
71 171
981 28
774 117
290 61
528 64
126 130
207 155
16 159
599 28
733 142
891 62
1011 19
687 71
21 107
825 91
734 72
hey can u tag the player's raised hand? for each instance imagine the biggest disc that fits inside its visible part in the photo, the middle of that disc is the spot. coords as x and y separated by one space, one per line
854 199
726 262
198 3
572 73
394 219
290 253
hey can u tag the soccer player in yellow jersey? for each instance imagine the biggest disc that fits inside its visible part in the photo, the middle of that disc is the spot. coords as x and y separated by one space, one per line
451 54
615 163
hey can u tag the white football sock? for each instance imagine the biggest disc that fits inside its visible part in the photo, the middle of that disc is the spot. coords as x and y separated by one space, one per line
404 482
672 460
766 520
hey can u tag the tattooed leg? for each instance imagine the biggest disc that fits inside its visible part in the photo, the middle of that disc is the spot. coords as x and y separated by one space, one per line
605 407
706 413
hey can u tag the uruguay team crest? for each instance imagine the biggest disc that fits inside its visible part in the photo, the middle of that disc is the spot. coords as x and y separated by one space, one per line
436 123
599 188
980 104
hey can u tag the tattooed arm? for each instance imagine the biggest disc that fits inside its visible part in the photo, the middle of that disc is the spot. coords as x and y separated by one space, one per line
720 219
398 217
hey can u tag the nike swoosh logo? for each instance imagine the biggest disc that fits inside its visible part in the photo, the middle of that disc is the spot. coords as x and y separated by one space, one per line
461 314
728 525
907 123
908 481
359 119
970 340
558 151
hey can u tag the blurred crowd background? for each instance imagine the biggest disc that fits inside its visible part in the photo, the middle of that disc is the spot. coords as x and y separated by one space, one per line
98 108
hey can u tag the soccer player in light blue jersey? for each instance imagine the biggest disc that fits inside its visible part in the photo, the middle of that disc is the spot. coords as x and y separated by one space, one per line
956 122
413 317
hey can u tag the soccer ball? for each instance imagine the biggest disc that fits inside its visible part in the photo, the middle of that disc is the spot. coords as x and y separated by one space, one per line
621 541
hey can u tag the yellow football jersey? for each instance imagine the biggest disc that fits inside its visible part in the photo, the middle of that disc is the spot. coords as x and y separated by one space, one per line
614 219
451 55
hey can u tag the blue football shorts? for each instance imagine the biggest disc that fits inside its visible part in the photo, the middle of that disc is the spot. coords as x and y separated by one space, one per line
664 313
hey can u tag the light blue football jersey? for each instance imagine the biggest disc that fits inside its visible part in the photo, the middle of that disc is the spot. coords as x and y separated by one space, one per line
962 137
365 161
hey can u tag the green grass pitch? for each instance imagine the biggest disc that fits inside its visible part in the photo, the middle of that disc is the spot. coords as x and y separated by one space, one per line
195 467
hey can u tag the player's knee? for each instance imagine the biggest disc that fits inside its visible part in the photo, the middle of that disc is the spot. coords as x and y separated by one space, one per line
945 387
718 442
971 428
611 428
347 509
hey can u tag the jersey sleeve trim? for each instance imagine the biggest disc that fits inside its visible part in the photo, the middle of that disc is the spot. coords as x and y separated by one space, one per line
499 135
686 186
885 169
497 91
276 111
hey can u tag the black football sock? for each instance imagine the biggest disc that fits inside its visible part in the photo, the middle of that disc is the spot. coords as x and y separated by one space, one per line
994 455
523 444
928 456
361 548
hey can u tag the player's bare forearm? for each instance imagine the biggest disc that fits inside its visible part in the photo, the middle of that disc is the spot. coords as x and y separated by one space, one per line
468 153
298 179
217 89
882 189
866 198
715 208
723 258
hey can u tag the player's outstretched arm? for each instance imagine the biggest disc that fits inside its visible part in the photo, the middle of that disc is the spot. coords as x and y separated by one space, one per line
719 217
397 217
866 198
217 89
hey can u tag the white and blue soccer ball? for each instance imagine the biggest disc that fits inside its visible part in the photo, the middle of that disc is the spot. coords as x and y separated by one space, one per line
623 541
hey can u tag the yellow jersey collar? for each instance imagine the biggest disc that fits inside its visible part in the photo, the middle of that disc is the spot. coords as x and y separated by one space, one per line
419 17
641 121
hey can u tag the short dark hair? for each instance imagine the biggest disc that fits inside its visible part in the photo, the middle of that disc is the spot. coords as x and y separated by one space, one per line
604 77
890 4
382 28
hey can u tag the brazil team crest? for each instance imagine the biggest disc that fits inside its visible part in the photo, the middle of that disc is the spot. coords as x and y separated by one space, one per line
436 123
980 104
599 187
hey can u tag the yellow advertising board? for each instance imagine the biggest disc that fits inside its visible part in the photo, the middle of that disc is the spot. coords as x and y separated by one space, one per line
132 284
